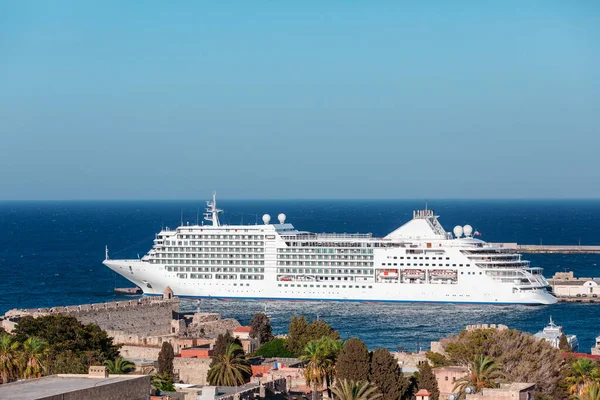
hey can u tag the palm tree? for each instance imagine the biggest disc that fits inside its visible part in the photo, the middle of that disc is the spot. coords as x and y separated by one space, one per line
330 349
583 372
484 372
119 366
231 368
316 364
591 392
33 351
9 363
162 383
351 390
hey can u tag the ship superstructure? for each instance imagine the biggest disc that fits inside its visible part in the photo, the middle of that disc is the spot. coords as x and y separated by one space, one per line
418 262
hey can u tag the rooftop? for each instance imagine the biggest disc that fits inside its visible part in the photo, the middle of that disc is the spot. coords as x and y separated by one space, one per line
241 329
55 385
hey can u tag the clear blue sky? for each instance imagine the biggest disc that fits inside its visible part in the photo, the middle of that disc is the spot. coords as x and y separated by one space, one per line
306 99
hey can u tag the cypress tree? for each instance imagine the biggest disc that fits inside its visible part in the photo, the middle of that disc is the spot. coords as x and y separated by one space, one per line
165 361
427 380
221 345
301 332
563 344
260 328
386 375
353 362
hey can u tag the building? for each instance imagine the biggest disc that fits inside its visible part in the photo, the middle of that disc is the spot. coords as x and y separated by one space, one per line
96 385
446 378
422 394
509 391
249 344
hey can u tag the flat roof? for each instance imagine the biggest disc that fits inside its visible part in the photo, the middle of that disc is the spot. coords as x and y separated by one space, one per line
57 384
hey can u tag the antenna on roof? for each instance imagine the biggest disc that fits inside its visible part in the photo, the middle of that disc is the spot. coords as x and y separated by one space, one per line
425 204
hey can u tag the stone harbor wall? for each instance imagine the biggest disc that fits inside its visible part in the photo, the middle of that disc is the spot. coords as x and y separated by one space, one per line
209 325
145 316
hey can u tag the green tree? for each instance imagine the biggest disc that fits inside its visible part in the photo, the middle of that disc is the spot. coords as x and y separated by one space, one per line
9 358
437 359
162 383
484 372
165 361
427 381
563 344
582 372
301 332
260 328
315 367
223 341
274 348
72 346
353 362
230 368
350 390
386 375
119 366
523 357
34 350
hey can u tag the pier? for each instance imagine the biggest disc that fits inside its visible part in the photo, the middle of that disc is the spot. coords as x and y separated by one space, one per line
550 249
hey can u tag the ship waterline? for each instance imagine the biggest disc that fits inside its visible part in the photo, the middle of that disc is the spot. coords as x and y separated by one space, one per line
418 262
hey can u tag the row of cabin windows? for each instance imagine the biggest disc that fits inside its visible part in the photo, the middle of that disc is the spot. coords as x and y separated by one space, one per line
321 257
207 262
211 255
210 250
214 269
206 236
421 265
327 263
324 286
211 243
325 271
324 251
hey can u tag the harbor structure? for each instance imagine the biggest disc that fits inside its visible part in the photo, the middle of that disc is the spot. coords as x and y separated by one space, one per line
552 333
417 262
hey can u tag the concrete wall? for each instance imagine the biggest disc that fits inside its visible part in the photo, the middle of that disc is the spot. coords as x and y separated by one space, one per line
140 352
192 370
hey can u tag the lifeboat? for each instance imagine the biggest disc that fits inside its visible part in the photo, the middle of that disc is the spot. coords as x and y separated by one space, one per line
285 278
389 273
443 272
413 272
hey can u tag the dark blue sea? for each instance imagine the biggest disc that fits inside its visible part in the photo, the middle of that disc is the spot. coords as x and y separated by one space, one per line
51 254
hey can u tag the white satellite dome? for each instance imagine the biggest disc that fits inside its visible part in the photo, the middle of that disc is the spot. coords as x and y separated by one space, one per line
458 231
281 218
266 219
468 230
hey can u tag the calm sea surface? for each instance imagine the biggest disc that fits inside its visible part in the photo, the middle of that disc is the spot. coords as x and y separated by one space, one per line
51 254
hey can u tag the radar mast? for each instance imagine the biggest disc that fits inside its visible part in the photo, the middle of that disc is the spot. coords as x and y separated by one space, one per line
212 212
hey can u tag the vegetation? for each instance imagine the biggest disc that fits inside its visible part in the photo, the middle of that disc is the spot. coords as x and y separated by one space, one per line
484 372
386 375
9 358
221 345
355 390
162 383
260 328
583 372
591 392
34 350
69 346
523 358
301 332
230 368
165 361
563 344
119 366
437 359
428 381
274 348
353 362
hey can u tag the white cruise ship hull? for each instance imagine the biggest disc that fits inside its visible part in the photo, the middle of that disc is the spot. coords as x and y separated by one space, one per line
153 280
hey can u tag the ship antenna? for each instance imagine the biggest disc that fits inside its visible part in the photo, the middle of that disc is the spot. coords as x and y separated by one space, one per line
181 217
106 252
212 212
425 204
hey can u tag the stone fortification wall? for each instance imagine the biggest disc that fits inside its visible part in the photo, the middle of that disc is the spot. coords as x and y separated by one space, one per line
192 370
209 325
145 316
140 352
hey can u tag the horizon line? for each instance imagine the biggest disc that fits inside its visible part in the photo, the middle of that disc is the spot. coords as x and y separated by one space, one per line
301 199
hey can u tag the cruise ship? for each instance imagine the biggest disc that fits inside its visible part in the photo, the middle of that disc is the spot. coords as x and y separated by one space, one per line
417 262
